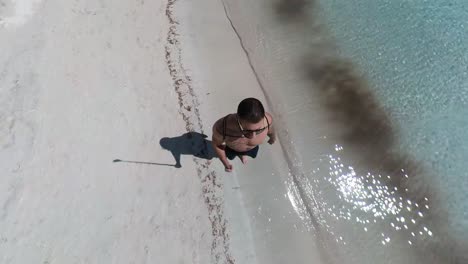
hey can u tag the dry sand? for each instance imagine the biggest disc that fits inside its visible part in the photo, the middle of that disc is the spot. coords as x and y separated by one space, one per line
83 83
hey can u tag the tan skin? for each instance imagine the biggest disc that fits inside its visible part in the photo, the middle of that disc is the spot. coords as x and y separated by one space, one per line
240 144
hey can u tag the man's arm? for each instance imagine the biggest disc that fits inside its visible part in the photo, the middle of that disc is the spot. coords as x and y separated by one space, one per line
220 148
271 130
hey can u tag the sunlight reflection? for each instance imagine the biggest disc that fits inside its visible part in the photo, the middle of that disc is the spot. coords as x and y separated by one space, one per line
365 199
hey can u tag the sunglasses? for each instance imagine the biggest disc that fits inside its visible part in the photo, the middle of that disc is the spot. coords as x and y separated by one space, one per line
246 132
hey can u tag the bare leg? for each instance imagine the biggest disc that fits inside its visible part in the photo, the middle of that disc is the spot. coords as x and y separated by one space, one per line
243 158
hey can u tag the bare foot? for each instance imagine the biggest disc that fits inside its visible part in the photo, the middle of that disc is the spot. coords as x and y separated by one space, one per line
243 159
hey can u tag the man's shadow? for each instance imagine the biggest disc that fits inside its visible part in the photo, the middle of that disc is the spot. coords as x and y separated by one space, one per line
191 143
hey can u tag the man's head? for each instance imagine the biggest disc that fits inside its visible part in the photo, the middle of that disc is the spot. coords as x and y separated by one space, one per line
250 116
251 111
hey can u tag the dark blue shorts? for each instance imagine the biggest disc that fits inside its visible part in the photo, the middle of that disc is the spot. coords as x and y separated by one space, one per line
231 154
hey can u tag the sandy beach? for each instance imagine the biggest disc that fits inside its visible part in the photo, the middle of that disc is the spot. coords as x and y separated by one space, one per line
99 167
84 84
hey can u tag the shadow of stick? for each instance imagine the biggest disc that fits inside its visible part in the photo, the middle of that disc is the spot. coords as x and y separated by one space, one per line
145 163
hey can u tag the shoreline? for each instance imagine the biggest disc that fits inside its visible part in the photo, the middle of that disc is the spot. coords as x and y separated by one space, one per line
309 83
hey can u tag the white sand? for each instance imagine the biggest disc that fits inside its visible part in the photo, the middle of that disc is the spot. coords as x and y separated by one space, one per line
84 83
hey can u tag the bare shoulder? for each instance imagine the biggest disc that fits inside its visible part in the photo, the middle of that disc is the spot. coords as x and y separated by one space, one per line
217 131
217 126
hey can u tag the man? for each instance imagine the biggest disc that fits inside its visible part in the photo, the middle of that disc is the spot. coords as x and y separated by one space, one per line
241 134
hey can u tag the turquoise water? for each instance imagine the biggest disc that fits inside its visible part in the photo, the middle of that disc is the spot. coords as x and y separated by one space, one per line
415 54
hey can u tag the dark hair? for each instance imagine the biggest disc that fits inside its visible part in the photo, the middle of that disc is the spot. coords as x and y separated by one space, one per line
251 110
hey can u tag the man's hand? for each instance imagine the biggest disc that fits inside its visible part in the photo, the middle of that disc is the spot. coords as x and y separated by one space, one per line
228 167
